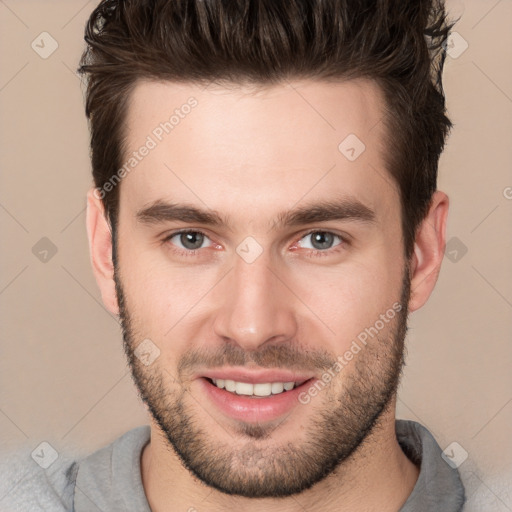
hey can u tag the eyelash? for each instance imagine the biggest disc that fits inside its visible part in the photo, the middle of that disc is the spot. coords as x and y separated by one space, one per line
183 252
327 252
315 253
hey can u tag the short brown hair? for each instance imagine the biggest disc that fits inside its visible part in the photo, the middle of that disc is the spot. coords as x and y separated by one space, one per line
399 45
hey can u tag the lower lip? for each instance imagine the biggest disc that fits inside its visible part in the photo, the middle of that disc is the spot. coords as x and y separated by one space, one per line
253 410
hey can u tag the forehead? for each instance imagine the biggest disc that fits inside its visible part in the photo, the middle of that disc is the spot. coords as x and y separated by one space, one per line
232 145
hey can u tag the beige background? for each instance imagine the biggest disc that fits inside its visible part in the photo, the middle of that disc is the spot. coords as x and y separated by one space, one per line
63 377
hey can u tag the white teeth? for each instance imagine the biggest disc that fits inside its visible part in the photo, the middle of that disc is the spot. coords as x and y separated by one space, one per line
260 389
244 388
277 387
229 385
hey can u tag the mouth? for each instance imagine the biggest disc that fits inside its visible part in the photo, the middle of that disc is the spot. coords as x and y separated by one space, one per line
254 402
257 390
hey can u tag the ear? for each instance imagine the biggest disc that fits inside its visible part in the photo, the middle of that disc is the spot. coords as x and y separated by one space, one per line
429 249
100 246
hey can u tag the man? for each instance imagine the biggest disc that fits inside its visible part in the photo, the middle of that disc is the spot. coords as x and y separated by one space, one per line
264 217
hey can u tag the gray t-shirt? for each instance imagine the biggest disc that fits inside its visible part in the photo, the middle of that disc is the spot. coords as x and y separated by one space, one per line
109 480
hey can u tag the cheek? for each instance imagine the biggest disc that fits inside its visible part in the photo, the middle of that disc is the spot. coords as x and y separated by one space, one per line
163 299
349 299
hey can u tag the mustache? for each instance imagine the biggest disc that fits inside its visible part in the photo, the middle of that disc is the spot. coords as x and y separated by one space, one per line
272 356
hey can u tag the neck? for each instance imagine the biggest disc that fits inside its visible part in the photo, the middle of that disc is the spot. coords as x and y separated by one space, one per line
377 477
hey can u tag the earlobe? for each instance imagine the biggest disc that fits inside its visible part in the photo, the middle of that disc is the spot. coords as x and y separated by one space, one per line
100 246
429 249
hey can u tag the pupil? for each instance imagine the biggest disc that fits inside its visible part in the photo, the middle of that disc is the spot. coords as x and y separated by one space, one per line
192 240
322 240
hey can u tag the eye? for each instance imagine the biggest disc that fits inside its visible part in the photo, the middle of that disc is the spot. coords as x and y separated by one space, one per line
320 240
189 240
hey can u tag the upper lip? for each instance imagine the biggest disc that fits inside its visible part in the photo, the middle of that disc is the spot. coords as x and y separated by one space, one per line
256 376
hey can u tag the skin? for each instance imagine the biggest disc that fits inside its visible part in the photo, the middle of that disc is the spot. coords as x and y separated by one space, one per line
251 155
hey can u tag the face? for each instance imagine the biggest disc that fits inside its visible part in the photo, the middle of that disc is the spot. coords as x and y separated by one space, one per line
265 265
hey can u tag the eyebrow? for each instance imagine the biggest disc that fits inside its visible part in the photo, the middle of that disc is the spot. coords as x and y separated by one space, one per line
349 209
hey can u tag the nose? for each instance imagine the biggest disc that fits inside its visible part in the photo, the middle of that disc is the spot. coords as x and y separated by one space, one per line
256 306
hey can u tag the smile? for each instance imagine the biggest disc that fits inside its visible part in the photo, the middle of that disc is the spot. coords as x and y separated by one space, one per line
257 390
